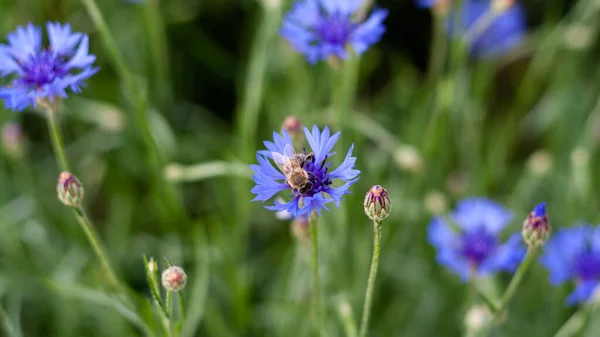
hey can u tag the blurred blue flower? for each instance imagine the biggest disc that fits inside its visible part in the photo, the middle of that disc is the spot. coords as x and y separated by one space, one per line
506 30
474 246
270 181
323 28
36 72
574 254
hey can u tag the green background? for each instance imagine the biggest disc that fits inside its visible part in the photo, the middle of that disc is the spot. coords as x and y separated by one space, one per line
215 79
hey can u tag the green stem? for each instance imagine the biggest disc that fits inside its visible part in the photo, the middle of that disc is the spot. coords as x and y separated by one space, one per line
345 312
516 280
181 305
57 142
345 90
575 324
372 276
316 293
9 328
87 228
169 305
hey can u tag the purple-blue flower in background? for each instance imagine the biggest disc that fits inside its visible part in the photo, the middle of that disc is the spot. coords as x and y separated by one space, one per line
323 28
574 254
37 72
318 188
470 243
505 31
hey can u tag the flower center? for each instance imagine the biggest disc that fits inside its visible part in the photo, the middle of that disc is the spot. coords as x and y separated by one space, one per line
42 68
587 266
335 30
477 245
317 172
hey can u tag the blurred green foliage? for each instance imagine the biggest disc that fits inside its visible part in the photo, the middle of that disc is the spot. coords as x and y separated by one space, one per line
216 80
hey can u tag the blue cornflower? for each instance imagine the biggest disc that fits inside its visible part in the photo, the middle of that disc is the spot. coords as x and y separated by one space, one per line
474 247
320 190
506 30
574 254
43 73
323 28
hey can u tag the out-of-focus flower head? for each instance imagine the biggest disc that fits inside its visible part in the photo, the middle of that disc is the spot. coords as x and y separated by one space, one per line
13 141
293 126
574 254
38 73
174 278
320 190
489 38
323 28
474 247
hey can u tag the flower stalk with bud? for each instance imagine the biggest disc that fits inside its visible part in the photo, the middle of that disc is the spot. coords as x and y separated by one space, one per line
70 192
377 206
535 233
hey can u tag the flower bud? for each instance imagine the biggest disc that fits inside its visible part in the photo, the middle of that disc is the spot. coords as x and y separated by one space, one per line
377 203
536 228
174 278
69 189
292 125
152 266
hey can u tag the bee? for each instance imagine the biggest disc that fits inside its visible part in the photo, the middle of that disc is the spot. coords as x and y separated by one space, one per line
292 165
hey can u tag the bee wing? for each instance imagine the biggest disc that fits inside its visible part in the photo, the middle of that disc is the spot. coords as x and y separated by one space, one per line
289 151
282 162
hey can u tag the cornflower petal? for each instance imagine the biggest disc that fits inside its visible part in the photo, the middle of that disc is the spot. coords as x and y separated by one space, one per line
472 248
572 255
318 191
323 28
44 73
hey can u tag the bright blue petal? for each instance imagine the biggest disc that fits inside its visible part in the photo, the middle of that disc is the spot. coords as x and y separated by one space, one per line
473 213
506 257
25 41
369 32
582 293
440 235
561 251
346 169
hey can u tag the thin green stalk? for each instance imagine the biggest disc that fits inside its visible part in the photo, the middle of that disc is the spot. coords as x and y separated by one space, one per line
9 328
157 44
181 305
154 289
576 323
364 326
344 90
137 97
316 290
169 305
87 228
345 312
516 280
57 142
